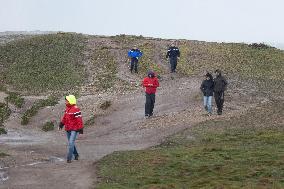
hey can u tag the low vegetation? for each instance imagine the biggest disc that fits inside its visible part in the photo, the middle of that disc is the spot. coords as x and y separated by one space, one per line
2 154
15 98
50 101
147 61
48 126
105 105
3 131
4 112
105 70
43 63
243 152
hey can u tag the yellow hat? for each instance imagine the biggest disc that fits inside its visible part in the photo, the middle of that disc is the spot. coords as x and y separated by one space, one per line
71 99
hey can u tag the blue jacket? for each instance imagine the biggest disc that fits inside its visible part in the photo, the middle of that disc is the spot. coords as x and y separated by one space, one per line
135 53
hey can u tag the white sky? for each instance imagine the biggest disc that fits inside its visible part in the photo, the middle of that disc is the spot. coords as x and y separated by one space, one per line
208 20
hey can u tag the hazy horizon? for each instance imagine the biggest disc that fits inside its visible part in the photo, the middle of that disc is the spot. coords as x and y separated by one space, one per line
202 20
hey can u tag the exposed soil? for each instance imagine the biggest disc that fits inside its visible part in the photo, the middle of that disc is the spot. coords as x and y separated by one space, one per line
37 159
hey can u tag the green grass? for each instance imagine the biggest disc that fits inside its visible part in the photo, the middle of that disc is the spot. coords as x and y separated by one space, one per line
4 112
43 63
3 131
106 70
15 98
243 152
147 62
50 101
48 126
264 65
2 154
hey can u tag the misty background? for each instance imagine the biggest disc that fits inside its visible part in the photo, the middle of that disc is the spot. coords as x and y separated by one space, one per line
205 20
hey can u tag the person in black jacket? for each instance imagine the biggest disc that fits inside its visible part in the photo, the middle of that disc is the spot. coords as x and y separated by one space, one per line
173 54
220 86
207 88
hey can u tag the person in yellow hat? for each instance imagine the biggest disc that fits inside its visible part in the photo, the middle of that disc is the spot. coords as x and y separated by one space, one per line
73 123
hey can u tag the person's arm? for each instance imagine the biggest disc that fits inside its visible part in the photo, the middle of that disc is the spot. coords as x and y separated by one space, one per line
225 83
79 120
61 124
156 83
178 52
168 53
202 87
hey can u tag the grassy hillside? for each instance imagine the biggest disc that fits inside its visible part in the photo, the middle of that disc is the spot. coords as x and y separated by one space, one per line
43 63
54 62
243 152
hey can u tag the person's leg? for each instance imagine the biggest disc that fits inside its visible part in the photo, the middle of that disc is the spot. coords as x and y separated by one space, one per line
147 104
136 66
131 65
209 104
153 96
71 144
218 102
175 65
172 64
205 102
221 101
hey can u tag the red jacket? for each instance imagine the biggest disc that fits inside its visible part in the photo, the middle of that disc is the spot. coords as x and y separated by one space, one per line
150 84
72 118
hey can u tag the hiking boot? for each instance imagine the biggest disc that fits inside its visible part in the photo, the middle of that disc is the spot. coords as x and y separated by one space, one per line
209 114
68 161
219 113
206 108
76 157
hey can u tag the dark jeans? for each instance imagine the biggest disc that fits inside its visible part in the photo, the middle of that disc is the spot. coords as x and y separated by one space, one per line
173 62
219 99
134 65
149 105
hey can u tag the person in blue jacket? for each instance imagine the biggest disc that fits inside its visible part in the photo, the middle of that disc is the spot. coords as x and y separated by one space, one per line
134 55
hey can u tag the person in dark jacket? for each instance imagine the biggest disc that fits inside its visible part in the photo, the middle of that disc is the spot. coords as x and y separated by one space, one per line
220 86
73 123
207 88
173 54
134 55
150 83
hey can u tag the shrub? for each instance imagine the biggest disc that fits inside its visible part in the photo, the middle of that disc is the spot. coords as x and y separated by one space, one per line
48 126
105 105
2 131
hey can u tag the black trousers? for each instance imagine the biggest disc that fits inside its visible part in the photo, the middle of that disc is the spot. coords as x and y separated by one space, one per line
173 63
134 65
149 105
219 99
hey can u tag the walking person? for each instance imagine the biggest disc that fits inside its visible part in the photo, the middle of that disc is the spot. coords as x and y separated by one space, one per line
207 88
134 55
220 86
173 54
72 121
150 83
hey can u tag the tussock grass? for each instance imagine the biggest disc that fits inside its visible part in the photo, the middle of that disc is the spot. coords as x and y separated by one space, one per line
4 112
43 63
48 126
15 98
2 154
243 152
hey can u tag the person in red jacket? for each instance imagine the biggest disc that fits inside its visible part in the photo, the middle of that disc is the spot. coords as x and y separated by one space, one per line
73 123
150 83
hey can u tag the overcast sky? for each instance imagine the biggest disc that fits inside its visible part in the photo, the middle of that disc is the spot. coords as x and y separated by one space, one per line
208 20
